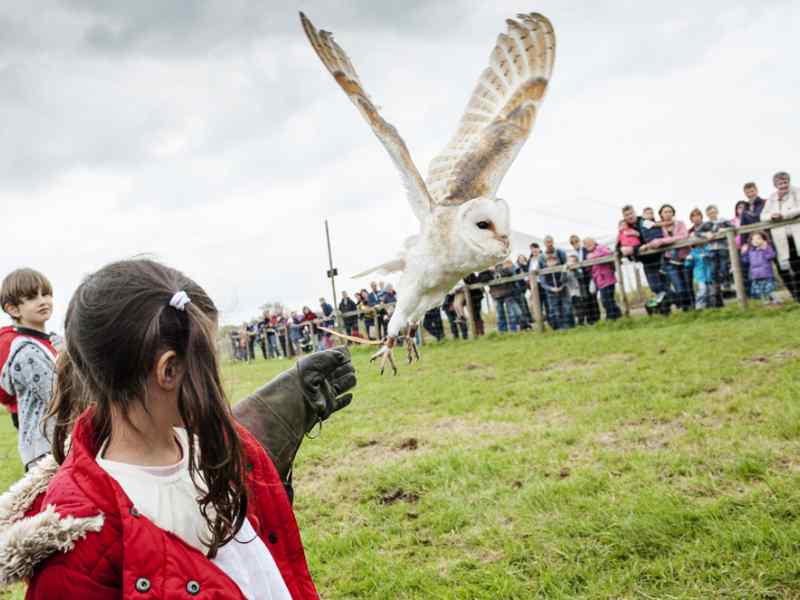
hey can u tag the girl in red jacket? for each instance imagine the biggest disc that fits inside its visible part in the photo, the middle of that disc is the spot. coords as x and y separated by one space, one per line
161 493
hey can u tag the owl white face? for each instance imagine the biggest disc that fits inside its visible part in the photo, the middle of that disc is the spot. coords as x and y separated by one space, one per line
484 225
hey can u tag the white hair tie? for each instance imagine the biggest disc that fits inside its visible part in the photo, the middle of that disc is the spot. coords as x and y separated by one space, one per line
179 300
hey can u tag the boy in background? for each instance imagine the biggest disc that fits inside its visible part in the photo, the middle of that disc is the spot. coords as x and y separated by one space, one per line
558 298
27 359
578 285
717 255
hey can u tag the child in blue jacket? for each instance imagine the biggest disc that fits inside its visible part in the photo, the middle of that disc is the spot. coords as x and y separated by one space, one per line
698 261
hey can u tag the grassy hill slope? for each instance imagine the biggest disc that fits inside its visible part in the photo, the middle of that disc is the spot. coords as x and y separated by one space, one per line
644 459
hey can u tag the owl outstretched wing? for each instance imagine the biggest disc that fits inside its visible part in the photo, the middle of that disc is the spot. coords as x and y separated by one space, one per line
499 116
338 63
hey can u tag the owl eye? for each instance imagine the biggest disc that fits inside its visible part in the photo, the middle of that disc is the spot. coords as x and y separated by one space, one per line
483 224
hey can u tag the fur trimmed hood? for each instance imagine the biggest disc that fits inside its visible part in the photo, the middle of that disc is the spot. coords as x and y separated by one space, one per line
25 541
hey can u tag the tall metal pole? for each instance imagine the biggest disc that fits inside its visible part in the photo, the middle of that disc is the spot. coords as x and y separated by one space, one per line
332 275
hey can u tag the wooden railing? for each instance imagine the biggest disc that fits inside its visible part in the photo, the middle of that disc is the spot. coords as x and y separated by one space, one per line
728 234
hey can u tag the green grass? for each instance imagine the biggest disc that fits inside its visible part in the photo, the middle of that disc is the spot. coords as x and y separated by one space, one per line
652 458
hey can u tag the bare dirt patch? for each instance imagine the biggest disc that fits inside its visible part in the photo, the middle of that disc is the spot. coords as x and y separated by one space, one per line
642 434
454 426
409 444
765 359
579 365
428 437
399 495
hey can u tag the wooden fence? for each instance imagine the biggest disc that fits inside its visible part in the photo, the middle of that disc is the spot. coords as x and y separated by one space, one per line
728 234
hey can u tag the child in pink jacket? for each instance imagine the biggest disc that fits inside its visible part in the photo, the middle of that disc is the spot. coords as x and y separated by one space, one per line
603 278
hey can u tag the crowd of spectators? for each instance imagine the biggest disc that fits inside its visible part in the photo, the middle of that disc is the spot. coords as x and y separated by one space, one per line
697 276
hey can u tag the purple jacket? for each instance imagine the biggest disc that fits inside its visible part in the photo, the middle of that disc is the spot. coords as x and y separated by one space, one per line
760 260
603 275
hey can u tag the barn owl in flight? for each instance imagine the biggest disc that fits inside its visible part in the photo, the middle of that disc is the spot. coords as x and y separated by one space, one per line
464 226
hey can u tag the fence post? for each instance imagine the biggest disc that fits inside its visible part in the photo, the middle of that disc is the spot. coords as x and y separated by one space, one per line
536 302
289 348
618 266
638 276
736 267
468 304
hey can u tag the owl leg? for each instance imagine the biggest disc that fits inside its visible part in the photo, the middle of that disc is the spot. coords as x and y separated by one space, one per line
385 354
411 344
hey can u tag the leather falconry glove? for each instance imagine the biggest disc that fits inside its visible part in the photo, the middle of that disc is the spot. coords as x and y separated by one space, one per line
282 412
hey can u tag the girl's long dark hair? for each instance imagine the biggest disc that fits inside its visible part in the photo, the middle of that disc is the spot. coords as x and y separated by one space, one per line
118 322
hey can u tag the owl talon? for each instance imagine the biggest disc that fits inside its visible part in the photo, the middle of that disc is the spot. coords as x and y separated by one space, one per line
411 345
386 355
413 353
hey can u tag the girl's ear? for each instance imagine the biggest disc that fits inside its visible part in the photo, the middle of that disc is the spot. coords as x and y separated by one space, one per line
167 371
12 310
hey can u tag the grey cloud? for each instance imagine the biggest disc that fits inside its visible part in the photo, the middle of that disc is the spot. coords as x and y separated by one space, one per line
178 27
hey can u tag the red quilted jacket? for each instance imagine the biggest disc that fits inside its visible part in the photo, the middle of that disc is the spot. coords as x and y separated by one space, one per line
130 558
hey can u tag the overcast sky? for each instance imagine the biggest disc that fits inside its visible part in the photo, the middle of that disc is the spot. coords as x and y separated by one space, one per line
208 134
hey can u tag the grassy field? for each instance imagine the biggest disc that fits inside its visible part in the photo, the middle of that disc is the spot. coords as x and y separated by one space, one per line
651 458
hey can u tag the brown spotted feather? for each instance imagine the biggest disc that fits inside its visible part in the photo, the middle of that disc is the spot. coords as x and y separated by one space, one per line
499 115
338 63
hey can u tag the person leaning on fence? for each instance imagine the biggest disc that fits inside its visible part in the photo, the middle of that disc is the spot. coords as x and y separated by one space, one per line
757 258
329 322
476 296
375 300
311 333
784 204
346 306
651 263
585 276
389 299
751 211
432 323
695 221
233 337
458 326
244 341
698 265
672 261
280 323
508 311
296 332
603 277
718 255
533 268
551 250
271 335
578 286
523 285
367 314
261 335
558 297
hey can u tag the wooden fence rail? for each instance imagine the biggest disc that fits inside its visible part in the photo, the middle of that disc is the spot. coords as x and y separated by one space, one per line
729 235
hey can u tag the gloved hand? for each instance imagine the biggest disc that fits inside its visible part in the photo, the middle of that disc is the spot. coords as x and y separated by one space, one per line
281 412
